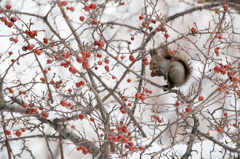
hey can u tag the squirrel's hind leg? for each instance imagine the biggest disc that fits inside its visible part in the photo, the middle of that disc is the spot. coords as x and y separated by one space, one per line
166 86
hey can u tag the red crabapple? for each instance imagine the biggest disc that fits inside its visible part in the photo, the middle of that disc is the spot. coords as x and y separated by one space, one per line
163 28
59 3
225 114
94 22
166 35
45 115
63 103
219 130
225 7
141 17
92 119
177 104
8 132
45 40
18 133
141 148
13 19
85 151
193 30
8 6
125 140
81 18
217 69
93 6
64 3
201 98
188 109
81 116
86 8
72 9
24 105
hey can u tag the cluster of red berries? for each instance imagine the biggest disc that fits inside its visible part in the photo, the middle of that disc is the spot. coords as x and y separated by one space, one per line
217 51
131 57
84 151
62 3
157 118
122 110
235 79
91 6
87 9
100 44
70 8
10 90
140 96
15 40
4 19
8 132
123 136
81 83
17 133
31 34
81 116
145 61
72 69
31 110
57 83
148 91
218 36
64 103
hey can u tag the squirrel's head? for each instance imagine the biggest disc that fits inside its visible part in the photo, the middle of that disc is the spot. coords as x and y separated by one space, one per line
155 60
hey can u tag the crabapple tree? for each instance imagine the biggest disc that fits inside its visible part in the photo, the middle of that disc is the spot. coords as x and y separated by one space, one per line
75 79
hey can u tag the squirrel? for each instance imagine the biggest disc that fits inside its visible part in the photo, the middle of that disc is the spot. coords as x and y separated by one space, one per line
175 69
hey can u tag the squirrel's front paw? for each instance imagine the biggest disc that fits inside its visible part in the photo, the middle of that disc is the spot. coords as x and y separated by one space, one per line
154 73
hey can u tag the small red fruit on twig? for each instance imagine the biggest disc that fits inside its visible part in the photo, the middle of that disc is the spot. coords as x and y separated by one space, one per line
217 69
94 22
18 133
45 115
92 119
13 19
63 103
81 116
86 8
193 30
219 130
201 98
188 109
8 6
141 148
8 132
64 3
166 35
93 6
81 18
225 7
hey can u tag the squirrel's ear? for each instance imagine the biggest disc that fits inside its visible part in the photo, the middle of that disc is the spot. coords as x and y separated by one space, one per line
153 52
